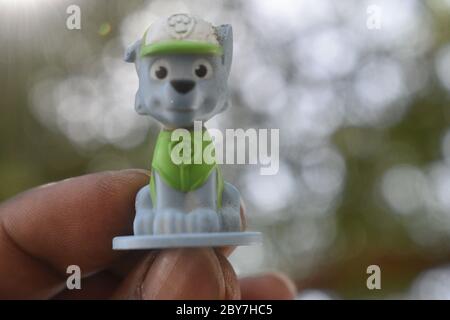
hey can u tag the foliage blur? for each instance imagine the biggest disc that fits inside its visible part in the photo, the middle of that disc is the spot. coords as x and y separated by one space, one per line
363 114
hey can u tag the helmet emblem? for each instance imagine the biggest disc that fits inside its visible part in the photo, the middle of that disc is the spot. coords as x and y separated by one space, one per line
180 25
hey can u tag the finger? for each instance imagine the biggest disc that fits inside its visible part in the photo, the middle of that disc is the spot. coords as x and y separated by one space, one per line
98 286
44 230
232 287
273 286
131 285
128 262
181 274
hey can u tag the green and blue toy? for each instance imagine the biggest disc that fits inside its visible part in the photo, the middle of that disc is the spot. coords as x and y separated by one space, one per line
183 63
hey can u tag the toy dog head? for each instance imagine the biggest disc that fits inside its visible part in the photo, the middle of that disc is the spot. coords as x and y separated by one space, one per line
183 64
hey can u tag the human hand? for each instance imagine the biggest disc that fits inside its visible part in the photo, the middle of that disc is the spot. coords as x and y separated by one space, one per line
72 222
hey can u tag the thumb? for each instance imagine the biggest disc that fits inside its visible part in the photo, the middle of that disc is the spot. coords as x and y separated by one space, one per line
187 274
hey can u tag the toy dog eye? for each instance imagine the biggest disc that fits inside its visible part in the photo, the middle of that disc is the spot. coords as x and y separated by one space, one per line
159 69
202 69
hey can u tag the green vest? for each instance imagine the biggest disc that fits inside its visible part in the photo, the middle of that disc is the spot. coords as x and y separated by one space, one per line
188 175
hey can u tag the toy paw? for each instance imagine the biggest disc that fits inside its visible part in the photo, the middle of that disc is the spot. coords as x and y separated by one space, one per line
169 221
143 222
202 220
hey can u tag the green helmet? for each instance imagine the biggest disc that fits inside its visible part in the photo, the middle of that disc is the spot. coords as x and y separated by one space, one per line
181 34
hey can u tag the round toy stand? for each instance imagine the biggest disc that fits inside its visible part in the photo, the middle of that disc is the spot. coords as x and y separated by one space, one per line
186 240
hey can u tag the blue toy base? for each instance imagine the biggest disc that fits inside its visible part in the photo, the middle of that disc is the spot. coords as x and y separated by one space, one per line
186 240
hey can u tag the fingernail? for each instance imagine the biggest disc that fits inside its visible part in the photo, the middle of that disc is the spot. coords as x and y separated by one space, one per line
184 274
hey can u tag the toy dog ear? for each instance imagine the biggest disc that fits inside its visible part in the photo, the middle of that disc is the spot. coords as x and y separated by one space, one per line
132 51
225 35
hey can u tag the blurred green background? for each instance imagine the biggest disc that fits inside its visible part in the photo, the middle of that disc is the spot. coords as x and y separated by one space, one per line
363 114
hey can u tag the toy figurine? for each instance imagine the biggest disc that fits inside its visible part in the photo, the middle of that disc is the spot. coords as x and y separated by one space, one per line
183 63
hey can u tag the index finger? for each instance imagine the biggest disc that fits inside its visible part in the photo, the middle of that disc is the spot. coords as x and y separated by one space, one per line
46 229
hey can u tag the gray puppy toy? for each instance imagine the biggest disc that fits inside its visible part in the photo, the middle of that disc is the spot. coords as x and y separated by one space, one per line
183 64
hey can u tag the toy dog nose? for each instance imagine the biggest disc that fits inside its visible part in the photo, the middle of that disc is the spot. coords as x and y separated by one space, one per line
182 86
